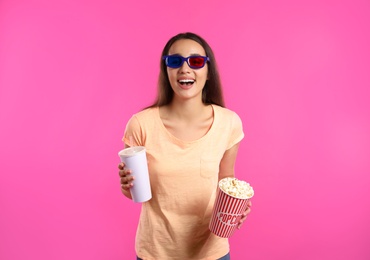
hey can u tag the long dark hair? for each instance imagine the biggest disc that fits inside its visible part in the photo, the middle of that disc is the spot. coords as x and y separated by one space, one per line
212 91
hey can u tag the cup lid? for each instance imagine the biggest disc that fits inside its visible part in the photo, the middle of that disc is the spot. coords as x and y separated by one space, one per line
131 151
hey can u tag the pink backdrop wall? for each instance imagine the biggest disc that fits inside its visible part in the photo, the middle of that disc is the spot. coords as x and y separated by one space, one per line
73 72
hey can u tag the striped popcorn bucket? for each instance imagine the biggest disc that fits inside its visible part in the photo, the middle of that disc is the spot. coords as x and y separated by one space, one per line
226 214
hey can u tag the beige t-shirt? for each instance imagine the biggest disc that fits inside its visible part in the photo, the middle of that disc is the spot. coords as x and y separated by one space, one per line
183 176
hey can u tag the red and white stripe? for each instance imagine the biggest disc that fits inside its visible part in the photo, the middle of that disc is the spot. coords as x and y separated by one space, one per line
226 214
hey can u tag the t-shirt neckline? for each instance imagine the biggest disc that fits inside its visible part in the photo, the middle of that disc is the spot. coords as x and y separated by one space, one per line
178 140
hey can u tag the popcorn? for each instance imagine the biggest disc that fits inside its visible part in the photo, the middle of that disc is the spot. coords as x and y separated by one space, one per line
236 188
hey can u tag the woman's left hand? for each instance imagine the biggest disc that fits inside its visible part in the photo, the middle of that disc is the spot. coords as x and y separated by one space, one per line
245 214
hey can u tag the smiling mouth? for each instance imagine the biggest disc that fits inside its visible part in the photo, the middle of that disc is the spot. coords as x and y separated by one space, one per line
186 82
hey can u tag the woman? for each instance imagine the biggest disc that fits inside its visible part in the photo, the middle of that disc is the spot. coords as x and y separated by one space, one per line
191 142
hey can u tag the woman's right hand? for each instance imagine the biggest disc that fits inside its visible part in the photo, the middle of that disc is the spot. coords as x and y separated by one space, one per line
126 179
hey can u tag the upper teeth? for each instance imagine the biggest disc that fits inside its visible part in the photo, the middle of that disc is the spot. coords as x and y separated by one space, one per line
186 80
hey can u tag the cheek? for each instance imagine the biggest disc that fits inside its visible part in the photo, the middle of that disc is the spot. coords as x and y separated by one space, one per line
171 75
203 76
205 73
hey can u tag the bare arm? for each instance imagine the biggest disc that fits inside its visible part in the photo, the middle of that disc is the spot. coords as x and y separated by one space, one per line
227 163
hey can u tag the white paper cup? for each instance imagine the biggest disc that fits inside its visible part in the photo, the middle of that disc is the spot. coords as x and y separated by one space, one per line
226 214
135 160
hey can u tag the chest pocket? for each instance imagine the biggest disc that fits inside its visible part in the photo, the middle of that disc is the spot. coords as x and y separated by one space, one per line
209 166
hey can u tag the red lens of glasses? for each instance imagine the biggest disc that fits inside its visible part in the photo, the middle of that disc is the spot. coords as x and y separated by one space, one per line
197 62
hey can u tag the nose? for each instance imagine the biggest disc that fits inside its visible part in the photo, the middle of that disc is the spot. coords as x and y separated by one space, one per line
184 68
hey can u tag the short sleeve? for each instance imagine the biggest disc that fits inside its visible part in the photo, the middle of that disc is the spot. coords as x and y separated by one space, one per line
237 133
133 133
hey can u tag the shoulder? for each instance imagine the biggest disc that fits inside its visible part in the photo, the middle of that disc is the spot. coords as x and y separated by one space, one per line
225 113
145 115
147 112
229 125
142 118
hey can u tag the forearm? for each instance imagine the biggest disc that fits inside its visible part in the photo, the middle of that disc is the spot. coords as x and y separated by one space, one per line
222 175
227 163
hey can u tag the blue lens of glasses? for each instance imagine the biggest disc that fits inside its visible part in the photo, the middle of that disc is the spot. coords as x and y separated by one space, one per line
174 61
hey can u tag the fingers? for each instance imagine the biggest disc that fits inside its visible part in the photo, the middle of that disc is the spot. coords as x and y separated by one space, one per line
121 166
245 214
122 170
126 180
240 224
124 173
127 186
243 218
247 211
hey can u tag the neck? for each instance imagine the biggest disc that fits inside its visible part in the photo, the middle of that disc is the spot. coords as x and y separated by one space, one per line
189 109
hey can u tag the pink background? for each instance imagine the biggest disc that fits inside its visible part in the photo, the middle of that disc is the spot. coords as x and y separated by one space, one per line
72 72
